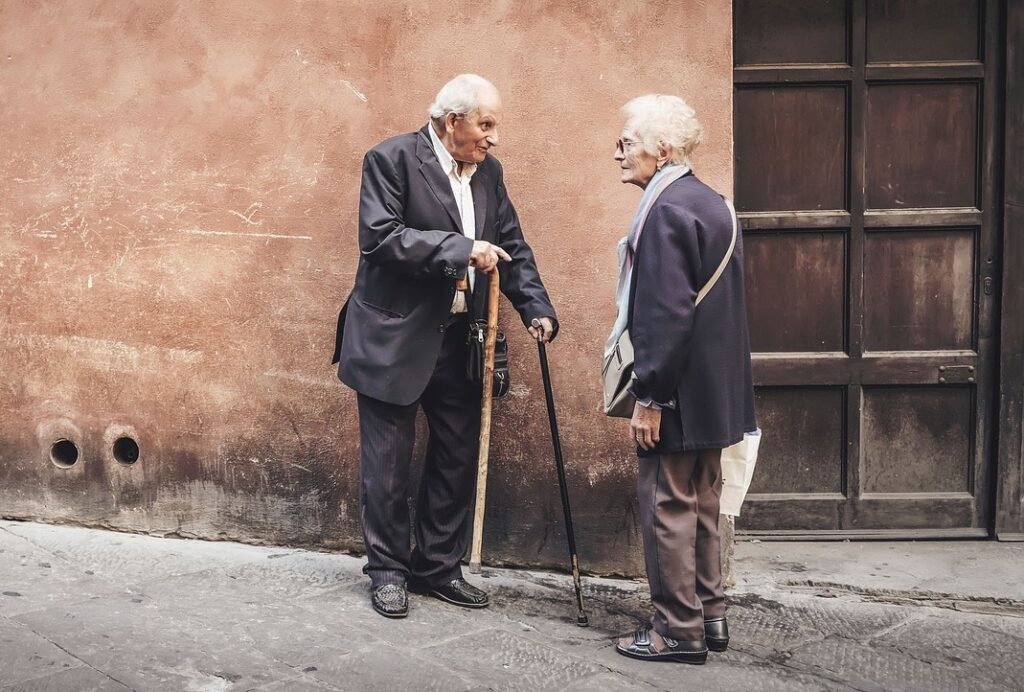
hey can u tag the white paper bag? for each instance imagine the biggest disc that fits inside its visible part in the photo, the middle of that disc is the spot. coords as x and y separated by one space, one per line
738 464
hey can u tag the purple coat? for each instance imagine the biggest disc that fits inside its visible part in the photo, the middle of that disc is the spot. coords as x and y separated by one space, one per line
697 356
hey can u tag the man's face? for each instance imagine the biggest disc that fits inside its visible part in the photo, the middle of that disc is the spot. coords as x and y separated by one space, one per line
474 134
637 166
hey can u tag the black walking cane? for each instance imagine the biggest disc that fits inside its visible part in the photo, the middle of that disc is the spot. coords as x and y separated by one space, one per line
581 617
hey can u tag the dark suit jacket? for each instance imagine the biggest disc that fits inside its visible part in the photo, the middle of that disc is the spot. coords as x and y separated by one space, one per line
412 251
699 356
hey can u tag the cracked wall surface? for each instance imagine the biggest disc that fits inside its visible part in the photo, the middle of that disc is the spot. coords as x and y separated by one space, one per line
178 199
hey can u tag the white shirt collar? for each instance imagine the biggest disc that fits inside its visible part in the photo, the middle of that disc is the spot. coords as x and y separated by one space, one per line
448 164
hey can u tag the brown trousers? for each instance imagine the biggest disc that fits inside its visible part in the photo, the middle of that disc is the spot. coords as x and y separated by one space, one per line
678 499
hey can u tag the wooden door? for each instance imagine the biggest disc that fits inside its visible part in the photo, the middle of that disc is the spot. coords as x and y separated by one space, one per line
864 173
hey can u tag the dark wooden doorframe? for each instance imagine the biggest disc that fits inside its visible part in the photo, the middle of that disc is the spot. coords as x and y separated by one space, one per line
868 368
1009 515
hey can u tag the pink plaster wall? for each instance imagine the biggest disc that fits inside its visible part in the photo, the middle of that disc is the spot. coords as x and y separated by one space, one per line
178 197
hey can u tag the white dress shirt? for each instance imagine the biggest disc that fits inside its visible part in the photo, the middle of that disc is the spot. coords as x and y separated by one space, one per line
463 200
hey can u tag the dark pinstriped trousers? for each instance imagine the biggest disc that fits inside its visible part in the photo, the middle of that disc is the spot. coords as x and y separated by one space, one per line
387 433
678 500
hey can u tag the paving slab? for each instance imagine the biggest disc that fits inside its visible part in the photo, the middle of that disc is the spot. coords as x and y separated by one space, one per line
499 659
80 679
150 648
876 669
25 655
987 657
379 666
32 577
987 570
127 558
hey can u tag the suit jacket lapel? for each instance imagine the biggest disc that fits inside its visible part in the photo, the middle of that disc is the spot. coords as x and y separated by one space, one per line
431 171
476 184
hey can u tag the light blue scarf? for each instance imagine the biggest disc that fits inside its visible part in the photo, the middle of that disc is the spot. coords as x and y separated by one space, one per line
627 246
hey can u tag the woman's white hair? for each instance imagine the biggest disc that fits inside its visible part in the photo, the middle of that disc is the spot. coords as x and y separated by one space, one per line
660 120
462 95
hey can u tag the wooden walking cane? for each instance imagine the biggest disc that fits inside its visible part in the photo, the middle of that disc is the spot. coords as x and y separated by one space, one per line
486 397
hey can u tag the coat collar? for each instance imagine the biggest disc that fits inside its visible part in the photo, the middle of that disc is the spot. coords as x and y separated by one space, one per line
431 171
479 188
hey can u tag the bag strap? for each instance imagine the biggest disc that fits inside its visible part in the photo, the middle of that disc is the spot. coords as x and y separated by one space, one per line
725 260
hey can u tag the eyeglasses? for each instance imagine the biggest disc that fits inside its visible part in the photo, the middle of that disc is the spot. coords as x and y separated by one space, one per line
625 145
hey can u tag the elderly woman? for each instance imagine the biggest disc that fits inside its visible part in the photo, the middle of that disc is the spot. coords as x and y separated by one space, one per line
691 376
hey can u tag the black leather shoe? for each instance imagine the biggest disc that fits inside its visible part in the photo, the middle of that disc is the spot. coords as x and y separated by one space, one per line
391 601
716 632
457 592
641 645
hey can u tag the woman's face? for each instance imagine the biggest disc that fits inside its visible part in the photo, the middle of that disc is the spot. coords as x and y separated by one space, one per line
637 166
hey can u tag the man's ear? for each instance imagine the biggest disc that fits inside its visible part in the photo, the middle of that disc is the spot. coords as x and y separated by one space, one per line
449 122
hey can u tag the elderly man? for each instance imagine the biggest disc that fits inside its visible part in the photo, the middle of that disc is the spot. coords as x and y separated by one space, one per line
433 210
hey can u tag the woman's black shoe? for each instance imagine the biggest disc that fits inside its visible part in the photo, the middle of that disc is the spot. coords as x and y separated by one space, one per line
641 645
716 632
391 600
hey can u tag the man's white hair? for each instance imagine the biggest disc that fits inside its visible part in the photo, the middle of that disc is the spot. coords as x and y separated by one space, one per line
663 120
461 96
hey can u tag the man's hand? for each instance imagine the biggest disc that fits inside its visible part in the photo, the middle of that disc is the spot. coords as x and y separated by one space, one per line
645 427
485 255
542 329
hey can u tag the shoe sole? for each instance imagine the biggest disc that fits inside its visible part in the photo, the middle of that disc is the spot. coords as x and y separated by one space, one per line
392 616
718 645
691 658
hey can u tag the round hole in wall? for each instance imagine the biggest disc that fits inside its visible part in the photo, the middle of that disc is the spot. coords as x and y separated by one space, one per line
126 450
64 453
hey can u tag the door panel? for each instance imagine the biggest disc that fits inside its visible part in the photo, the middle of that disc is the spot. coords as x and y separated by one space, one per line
791 148
922 30
919 290
864 179
768 28
916 440
796 291
921 145
804 453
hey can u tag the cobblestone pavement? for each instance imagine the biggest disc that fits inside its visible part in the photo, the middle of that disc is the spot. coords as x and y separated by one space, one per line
86 610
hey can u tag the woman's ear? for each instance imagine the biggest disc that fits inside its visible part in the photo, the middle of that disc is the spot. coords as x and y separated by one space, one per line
664 154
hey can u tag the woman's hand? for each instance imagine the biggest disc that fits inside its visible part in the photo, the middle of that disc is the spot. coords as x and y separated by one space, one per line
645 426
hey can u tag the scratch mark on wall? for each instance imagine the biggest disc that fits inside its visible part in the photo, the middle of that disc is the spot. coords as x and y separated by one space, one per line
249 213
315 381
359 95
109 355
282 236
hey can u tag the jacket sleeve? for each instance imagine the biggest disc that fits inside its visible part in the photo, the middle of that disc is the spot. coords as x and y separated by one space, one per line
665 284
384 239
520 278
